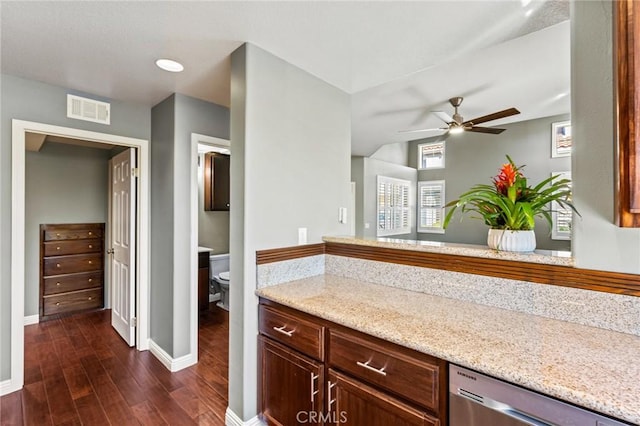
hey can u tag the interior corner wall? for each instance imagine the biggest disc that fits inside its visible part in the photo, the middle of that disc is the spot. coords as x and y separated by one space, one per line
30 100
191 115
357 176
64 184
473 158
295 139
593 107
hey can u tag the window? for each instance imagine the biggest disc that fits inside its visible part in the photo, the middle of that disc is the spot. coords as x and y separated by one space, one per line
431 155
393 206
561 216
431 206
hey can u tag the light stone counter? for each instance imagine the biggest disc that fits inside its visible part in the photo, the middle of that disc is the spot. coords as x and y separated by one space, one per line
587 366
549 257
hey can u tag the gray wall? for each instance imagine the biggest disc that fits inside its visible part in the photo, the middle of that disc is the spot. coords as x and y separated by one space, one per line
64 184
173 122
473 158
34 101
598 243
366 186
213 227
290 134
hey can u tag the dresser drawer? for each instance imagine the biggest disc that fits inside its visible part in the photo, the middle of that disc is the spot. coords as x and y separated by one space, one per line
297 333
72 282
405 375
75 301
59 248
58 265
71 233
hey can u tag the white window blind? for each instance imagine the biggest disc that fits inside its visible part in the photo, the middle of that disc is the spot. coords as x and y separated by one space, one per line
431 155
431 206
561 216
393 206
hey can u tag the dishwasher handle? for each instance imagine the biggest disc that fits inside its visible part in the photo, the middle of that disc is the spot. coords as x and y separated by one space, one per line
503 408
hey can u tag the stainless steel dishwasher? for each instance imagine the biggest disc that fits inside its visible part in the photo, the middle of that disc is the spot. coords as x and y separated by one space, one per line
479 400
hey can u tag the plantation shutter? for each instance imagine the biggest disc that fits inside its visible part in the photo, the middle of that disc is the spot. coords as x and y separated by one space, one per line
393 206
430 206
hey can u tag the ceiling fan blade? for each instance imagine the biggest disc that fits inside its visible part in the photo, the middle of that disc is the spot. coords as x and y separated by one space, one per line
423 130
496 115
492 130
443 116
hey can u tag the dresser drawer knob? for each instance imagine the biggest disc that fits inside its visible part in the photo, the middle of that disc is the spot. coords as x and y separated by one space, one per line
370 368
90 245
90 279
57 248
58 284
90 233
283 331
57 265
57 235
90 297
90 262
57 303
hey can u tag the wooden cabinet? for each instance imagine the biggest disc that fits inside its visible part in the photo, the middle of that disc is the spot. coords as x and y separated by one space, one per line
71 268
203 281
368 381
217 181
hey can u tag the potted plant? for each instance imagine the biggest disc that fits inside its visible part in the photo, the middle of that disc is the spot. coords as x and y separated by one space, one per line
509 206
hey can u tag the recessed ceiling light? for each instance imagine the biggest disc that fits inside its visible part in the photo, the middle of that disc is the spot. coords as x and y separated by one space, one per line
169 65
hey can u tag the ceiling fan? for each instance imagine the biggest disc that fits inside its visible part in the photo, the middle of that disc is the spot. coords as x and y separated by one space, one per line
456 124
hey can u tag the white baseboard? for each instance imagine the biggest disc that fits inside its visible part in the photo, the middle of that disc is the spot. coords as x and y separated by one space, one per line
172 364
31 319
232 419
7 387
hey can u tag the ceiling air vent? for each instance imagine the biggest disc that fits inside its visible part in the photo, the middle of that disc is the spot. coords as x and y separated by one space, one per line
88 109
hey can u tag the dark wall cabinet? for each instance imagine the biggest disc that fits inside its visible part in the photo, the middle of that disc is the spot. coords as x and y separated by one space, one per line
216 181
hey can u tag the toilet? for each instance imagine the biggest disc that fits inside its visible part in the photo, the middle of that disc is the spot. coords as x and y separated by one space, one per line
219 278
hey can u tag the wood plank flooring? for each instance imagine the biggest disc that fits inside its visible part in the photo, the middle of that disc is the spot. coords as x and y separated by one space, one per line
78 371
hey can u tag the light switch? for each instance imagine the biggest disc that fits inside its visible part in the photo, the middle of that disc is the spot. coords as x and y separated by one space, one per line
302 235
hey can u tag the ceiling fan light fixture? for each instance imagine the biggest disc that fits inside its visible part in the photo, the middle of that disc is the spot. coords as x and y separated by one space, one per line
456 129
169 65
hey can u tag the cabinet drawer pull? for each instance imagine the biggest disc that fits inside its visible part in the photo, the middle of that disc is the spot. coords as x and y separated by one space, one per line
90 279
57 235
90 246
90 262
57 265
57 303
57 248
90 298
283 331
58 284
90 233
370 368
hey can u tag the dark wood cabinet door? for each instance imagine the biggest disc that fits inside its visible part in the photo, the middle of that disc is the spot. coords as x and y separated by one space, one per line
292 386
217 180
352 403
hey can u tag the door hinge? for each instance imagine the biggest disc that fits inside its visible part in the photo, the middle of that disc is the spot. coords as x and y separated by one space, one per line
135 172
134 322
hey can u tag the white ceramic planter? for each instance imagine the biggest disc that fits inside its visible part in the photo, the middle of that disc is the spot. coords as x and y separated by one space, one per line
507 240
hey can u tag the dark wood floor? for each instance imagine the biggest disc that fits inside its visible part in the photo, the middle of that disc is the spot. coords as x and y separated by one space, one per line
79 371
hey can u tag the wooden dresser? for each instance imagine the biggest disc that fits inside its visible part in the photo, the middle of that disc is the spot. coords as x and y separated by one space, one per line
71 268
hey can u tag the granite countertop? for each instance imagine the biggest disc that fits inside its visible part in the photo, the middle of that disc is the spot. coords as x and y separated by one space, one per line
549 257
590 367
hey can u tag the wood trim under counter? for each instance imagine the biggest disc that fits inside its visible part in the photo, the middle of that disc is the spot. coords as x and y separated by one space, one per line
288 253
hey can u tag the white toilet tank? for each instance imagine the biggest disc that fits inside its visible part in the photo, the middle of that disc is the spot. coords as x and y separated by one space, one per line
218 263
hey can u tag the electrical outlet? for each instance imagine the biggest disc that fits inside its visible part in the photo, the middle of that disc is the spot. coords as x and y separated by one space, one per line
366 225
302 235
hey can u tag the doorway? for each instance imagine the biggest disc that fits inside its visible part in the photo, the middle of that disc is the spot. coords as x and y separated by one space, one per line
20 129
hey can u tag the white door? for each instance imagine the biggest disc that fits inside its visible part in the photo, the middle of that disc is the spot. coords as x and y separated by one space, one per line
123 245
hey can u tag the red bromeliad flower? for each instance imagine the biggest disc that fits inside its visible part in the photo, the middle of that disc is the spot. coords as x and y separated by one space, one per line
506 178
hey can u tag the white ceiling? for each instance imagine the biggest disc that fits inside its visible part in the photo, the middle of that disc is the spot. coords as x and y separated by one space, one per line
399 58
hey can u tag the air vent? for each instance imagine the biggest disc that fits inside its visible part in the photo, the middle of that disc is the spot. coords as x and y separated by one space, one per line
88 109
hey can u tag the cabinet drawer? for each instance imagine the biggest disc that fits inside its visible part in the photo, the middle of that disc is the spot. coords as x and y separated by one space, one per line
404 375
69 302
58 265
305 336
72 233
59 248
72 282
